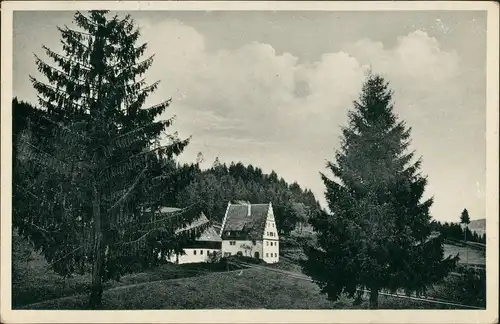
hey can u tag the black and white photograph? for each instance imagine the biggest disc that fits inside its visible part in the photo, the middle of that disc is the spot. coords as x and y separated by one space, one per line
224 157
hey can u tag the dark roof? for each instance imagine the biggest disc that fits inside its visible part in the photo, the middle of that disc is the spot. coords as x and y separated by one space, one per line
245 221
217 227
210 234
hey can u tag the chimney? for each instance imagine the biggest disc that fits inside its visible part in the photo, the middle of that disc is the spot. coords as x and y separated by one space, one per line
249 209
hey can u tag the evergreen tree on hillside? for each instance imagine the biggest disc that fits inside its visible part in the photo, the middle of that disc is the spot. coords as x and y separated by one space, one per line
377 234
89 167
465 220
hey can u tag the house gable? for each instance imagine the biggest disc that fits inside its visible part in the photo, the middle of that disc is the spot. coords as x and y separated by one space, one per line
270 230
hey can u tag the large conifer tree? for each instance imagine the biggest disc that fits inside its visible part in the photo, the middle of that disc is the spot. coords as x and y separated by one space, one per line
89 167
376 236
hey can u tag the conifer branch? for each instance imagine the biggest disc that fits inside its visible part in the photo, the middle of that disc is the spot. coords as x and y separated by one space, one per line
64 256
64 61
140 238
22 188
122 199
64 166
49 105
89 24
55 75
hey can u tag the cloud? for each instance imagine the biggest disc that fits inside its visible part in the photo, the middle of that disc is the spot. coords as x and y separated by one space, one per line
270 95
273 110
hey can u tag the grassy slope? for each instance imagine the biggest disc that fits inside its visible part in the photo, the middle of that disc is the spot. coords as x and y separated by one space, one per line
470 255
38 283
253 289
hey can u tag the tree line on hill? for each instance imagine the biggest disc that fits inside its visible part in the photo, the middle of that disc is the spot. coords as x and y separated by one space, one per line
213 188
453 231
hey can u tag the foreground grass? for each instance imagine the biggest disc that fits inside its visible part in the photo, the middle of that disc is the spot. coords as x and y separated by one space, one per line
194 286
249 289
467 255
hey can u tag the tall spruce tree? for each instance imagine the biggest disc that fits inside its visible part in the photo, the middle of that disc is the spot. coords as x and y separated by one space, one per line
465 220
89 164
376 236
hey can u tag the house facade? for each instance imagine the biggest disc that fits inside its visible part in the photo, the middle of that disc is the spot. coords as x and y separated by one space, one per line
206 245
250 230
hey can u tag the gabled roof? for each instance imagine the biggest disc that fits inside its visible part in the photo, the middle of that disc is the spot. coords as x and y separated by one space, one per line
245 221
210 234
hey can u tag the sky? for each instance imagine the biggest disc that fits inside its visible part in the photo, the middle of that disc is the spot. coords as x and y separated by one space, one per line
273 88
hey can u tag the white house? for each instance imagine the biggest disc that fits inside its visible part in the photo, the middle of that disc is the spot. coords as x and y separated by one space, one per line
208 243
250 230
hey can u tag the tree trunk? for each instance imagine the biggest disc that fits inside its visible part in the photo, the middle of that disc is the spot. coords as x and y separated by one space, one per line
466 245
374 298
96 288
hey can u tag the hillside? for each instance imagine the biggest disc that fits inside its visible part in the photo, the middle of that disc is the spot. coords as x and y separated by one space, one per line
246 289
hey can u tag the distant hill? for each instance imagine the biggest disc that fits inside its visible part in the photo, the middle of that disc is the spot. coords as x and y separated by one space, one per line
478 226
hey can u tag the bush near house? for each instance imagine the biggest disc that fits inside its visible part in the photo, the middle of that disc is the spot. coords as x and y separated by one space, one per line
244 258
467 286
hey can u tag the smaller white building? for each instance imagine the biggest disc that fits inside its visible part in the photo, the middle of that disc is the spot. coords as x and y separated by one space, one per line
250 230
206 245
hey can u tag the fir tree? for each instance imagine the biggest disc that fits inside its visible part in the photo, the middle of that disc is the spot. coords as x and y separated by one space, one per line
465 220
90 161
376 236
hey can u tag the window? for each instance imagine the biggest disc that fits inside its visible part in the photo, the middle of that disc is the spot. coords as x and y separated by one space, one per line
232 242
272 224
267 255
267 243
194 252
275 255
201 252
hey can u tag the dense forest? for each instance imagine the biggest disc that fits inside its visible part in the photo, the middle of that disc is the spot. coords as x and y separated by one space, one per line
215 187
453 231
